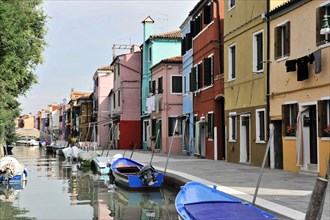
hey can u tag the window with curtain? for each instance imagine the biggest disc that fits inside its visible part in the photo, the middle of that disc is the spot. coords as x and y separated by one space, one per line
320 13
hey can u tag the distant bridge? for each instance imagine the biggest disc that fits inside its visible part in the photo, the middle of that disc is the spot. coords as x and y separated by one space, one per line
32 132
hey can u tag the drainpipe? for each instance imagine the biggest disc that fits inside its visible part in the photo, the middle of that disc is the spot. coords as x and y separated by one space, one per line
268 72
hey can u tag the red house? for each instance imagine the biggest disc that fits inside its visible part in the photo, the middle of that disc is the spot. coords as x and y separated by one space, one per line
206 78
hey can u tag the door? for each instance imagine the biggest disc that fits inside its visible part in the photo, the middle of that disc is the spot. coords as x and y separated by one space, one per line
309 136
186 138
245 139
278 145
158 134
146 135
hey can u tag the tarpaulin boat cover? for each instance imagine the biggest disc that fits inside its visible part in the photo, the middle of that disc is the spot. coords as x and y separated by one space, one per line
12 164
224 210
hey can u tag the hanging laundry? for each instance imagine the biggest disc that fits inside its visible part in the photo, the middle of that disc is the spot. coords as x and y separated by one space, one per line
311 58
302 64
290 65
318 63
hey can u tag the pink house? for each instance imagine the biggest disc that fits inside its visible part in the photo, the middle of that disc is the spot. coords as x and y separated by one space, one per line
103 83
165 104
125 101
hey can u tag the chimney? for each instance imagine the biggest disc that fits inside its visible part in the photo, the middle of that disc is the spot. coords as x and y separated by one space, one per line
147 27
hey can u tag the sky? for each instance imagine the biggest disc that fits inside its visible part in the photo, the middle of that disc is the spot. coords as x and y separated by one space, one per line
80 38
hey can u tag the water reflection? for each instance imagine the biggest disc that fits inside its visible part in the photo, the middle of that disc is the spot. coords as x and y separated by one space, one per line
57 189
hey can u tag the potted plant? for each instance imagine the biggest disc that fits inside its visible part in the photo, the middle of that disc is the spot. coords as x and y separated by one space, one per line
326 131
290 131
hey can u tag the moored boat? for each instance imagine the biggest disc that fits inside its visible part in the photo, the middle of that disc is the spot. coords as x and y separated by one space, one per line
101 165
11 170
197 201
134 175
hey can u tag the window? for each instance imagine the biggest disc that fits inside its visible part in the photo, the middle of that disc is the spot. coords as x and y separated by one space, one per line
208 71
208 13
232 62
160 85
118 69
196 25
152 87
176 84
184 85
324 118
289 119
258 48
192 80
210 125
232 126
321 14
282 40
150 54
231 4
118 98
199 76
260 125
186 43
171 125
114 100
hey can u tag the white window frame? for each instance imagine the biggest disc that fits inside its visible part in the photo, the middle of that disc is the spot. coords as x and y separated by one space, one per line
230 133
230 66
211 113
258 125
229 5
255 52
172 84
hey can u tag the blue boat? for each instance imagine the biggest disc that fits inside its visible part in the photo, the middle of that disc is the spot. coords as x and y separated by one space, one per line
134 175
196 201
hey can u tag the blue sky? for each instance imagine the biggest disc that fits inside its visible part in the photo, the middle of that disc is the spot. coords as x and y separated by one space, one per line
80 38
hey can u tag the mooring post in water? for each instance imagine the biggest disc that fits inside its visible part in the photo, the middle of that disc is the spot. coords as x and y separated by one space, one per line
132 152
169 151
315 206
271 130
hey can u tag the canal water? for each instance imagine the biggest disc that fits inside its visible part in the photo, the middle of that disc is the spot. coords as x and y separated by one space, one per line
58 189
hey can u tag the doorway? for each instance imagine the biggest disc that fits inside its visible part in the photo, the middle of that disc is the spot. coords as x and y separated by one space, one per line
245 139
309 137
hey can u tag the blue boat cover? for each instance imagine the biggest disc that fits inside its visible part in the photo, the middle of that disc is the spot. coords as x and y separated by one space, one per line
223 210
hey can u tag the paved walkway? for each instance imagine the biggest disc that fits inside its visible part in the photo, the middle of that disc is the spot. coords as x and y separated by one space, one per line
284 193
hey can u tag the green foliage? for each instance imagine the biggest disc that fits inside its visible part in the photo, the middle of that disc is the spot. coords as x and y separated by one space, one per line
22 31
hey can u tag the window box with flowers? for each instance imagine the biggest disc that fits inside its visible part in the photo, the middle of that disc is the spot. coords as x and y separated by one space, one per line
326 131
290 131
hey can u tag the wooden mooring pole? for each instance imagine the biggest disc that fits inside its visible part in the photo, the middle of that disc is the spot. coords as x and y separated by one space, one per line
315 206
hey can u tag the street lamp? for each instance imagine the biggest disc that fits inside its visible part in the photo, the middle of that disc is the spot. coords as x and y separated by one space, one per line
325 25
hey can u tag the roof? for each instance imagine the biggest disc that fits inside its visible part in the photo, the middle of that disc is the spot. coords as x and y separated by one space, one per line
173 34
176 59
286 6
104 68
172 60
148 20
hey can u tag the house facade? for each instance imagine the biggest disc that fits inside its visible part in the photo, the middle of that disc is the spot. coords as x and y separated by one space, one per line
187 96
125 103
300 84
103 83
206 79
166 123
155 48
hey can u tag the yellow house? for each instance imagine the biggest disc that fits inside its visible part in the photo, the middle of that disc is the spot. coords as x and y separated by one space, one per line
300 84
245 54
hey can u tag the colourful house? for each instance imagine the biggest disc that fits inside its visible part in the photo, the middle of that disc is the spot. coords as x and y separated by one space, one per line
206 79
103 83
166 102
187 96
154 49
300 84
125 103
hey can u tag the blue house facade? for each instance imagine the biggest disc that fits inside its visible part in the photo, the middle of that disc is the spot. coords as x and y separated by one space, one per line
187 99
154 49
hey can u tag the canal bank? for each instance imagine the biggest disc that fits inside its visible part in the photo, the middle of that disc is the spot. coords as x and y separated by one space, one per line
285 193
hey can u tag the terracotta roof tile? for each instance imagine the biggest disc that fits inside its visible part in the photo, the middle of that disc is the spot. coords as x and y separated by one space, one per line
172 34
104 68
176 59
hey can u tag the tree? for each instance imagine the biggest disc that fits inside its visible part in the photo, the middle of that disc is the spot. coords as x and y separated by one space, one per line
22 32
